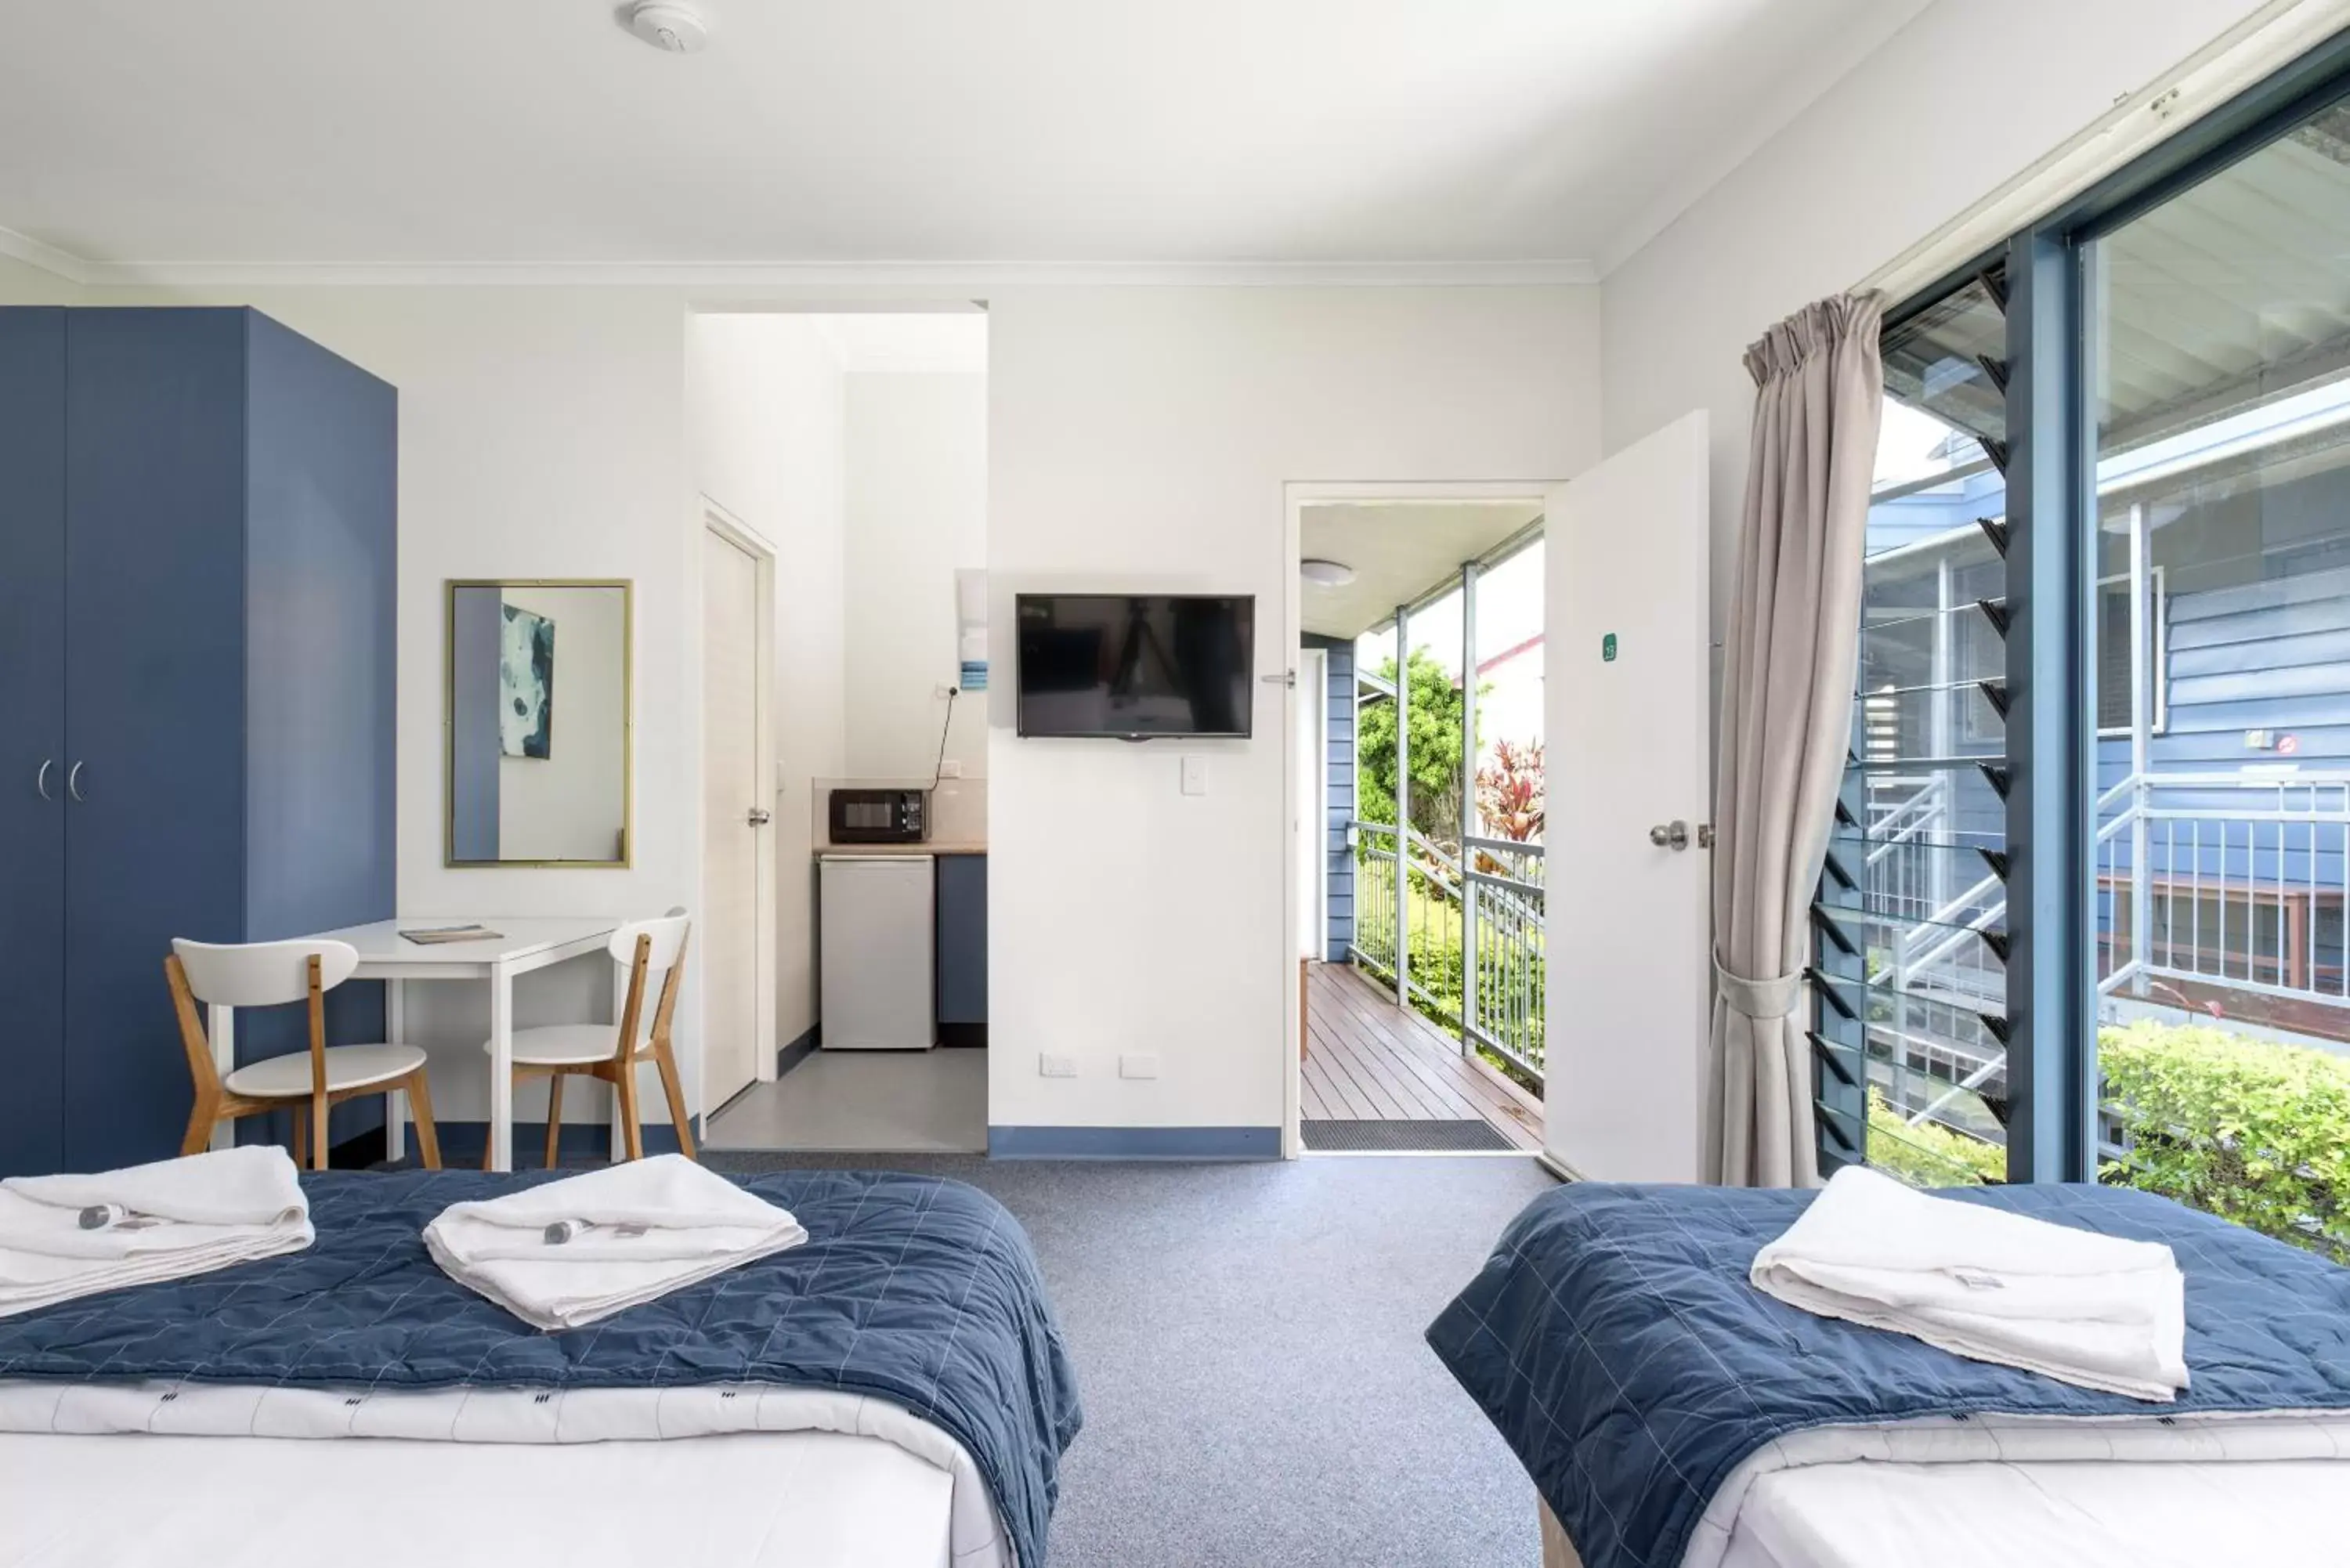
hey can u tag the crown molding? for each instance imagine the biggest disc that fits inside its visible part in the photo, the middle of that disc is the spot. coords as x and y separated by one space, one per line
851 276
48 259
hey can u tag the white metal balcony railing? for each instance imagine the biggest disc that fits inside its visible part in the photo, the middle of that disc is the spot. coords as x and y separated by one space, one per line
1464 946
2210 884
2193 889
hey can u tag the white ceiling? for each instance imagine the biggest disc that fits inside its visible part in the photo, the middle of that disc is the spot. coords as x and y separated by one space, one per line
1399 551
1233 133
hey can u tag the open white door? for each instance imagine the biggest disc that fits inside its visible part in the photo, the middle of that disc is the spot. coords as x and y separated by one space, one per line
1628 696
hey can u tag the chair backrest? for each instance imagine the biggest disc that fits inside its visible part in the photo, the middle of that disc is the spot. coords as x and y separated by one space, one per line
645 948
253 974
261 974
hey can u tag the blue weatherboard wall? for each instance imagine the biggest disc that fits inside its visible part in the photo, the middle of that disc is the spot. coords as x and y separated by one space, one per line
2255 623
1339 878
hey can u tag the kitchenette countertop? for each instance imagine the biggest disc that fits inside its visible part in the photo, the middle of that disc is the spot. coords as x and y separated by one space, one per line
928 846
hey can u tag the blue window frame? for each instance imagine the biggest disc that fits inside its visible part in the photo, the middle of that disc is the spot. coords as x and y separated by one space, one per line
2009 353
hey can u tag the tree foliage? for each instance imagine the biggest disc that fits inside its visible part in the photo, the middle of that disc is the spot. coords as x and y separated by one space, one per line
2255 1131
1928 1154
2252 1130
1434 708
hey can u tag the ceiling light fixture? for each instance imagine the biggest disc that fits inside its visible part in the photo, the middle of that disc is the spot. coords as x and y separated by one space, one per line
671 28
1325 573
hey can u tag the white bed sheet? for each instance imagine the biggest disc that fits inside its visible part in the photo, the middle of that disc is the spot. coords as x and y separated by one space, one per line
2197 1491
2287 1512
760 1499
727 1476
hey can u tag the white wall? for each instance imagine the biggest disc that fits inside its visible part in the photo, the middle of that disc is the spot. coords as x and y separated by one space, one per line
1936 119
916 485
542 434
1140 439
765 410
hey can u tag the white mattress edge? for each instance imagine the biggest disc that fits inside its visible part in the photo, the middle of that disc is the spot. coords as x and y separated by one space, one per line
481 1415
2153 1438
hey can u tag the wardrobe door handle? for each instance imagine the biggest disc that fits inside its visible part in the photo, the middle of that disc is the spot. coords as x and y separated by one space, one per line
41 779
73 781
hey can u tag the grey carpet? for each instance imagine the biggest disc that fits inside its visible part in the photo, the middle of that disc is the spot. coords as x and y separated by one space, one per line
1247 1340
1351 1136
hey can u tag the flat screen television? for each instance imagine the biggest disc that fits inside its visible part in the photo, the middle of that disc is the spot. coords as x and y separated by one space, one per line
1133 667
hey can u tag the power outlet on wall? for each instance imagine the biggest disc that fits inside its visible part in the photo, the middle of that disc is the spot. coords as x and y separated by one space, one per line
1049 1066
950 768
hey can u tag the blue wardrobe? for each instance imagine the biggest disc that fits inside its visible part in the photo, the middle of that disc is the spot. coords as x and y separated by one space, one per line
198 514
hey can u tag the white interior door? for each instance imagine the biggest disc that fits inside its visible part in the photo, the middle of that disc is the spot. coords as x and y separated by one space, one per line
1312 837
728 935
1628 696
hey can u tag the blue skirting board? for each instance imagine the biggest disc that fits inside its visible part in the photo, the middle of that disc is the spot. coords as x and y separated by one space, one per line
1134 1143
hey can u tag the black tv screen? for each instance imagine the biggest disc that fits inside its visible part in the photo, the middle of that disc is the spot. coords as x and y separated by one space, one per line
1133 666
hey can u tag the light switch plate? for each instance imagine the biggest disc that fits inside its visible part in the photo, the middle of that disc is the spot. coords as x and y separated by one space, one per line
1140 1065
1195 775
1049 1066
950 768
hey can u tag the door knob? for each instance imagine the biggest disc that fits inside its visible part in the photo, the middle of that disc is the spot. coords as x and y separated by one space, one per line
759 816
1673 835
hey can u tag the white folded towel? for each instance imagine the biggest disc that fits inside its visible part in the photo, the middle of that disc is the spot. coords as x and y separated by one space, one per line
2098 1311
68 1236
571 1252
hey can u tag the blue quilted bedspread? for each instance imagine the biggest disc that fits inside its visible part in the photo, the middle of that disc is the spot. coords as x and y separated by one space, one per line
1614 1339
916 1290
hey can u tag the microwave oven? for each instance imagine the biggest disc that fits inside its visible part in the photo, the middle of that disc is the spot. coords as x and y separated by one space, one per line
880 815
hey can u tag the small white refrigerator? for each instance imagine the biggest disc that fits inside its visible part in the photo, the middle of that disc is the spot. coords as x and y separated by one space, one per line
877 923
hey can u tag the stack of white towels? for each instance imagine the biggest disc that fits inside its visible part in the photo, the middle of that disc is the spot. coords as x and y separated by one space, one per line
2101 1312
574 1251
67 1236
558 1255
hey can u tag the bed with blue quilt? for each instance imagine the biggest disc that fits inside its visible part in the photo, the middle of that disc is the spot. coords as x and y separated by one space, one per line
895 1392
1671 1415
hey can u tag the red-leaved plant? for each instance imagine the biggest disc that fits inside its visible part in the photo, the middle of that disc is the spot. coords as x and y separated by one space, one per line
1510 790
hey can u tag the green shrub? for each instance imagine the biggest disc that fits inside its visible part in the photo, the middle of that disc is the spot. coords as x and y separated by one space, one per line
2251 1130
1929 1155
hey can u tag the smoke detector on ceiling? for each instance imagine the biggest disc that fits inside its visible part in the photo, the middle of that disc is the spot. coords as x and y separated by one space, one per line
671 28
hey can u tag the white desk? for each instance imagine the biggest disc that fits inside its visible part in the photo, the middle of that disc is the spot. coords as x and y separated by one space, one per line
522 945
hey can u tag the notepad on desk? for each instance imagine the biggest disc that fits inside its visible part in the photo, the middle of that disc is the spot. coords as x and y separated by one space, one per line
431 936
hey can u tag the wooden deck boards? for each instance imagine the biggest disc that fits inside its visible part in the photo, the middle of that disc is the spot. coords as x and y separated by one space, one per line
1367 1059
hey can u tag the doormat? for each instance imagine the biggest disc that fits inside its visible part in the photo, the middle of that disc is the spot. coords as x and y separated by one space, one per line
1404 1138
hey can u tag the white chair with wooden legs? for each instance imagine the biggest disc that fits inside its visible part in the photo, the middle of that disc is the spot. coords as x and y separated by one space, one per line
612 1053
277 974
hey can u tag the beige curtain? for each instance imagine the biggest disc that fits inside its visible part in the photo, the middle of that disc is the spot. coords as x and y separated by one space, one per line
1786 722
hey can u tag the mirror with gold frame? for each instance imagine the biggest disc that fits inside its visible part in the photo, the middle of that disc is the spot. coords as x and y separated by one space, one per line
539 730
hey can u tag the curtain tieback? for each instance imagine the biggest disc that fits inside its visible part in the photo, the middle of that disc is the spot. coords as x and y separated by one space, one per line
1766 1000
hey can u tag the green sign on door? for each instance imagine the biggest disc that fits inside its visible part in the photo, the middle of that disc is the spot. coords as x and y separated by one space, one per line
1607 649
